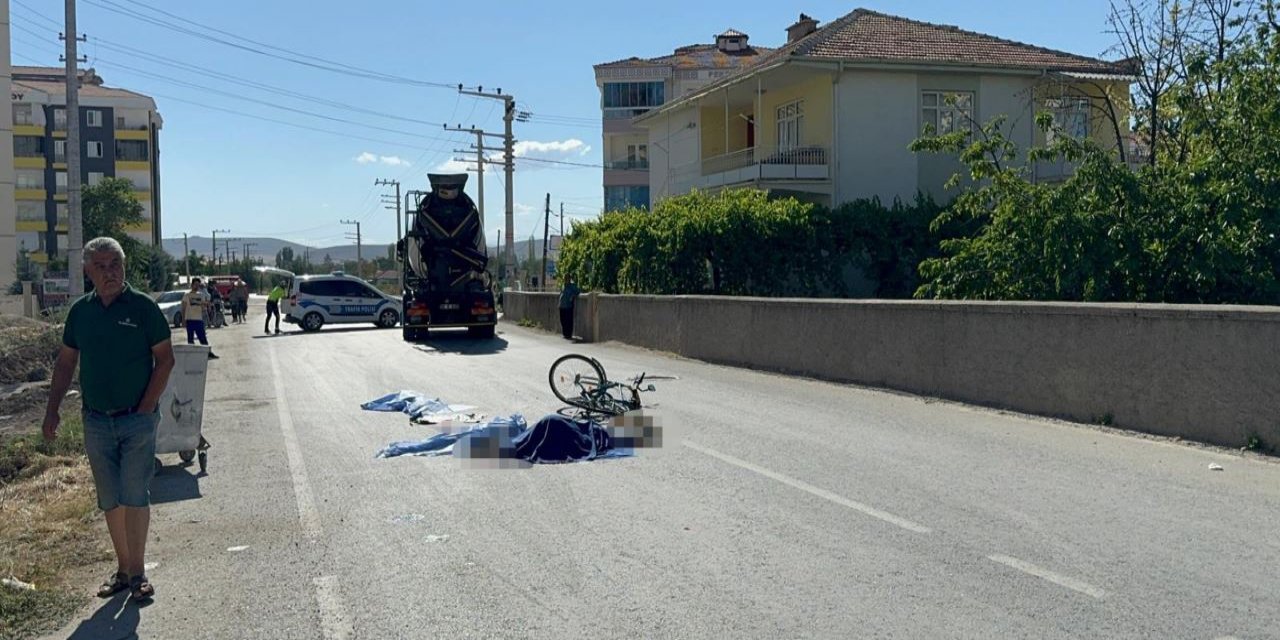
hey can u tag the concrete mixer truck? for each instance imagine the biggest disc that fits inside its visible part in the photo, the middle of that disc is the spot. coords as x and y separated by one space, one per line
446 279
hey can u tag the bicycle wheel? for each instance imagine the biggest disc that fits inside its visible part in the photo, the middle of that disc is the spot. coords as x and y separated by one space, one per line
576 380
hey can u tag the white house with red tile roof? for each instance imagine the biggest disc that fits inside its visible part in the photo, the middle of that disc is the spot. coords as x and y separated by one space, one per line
828 116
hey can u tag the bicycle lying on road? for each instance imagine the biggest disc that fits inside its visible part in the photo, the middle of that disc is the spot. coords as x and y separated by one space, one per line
580 382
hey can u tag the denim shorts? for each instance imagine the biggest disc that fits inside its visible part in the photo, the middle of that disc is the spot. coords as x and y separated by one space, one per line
122 455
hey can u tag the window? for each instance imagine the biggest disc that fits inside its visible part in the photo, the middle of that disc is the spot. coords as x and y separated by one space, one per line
120 122
94 117
60 119
1070 115
790 125
95 149
630 99
131 150
947 111
28 147
637 157
59 150
62 213
323 288
23 114
95 177
28 179
30 211
620 198
60 179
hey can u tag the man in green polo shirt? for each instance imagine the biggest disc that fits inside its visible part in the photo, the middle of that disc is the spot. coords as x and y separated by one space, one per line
121 342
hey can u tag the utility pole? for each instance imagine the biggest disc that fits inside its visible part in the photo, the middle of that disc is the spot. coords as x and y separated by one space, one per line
359 259
399 234
480 160
509 115
546 230
226 252
561 222
186 256
213 257
75 224
246 247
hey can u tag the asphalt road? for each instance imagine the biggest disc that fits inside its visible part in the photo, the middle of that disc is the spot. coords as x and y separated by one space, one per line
778 508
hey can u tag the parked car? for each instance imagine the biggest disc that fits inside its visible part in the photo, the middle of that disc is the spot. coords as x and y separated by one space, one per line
171 306
337 298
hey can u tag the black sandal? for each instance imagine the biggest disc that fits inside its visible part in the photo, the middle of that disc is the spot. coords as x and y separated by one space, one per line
140 588
113 585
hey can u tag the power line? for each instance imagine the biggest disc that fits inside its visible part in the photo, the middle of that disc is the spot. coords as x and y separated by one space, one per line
294 57
564 162
235 96
187 66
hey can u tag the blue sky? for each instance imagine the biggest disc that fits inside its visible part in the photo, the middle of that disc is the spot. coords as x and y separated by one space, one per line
242 172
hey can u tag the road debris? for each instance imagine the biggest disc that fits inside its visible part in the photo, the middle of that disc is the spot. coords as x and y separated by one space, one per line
237 549
14 583
1213 466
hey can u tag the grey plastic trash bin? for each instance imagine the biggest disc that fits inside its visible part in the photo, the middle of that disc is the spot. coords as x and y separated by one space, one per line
182 406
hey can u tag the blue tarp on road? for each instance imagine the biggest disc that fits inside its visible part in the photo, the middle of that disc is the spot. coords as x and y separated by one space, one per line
414 403
554 439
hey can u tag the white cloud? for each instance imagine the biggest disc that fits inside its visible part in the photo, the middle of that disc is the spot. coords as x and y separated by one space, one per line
562 147
370 158
522 208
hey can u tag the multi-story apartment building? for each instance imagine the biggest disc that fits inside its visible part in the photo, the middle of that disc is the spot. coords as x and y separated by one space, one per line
119 137
631 87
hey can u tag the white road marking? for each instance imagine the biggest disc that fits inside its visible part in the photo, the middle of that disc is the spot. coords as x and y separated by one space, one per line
333 622
308 516
1056 578
808 488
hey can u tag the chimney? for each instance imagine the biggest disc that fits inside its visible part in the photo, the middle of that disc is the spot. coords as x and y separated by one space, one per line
803 27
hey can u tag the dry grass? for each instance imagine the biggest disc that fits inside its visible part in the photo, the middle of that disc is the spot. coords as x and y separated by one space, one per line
27 349
51 534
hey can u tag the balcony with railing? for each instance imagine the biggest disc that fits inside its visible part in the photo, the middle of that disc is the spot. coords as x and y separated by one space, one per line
638 164
810 163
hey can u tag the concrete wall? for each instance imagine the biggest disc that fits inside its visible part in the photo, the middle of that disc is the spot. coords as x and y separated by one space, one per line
1205 373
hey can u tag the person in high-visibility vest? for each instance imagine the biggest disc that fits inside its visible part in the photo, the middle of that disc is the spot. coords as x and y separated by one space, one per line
273 308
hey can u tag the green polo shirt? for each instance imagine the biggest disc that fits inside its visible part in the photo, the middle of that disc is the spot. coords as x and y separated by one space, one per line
115 347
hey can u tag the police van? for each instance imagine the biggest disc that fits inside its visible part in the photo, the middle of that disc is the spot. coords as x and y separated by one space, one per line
316 300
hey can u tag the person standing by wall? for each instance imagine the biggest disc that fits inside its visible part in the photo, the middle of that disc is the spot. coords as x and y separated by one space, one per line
122 343
568 299
273 308
195 304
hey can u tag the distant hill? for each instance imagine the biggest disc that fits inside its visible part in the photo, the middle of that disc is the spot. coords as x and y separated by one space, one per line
267 248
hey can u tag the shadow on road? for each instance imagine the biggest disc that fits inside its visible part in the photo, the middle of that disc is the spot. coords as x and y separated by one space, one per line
300 333
116 619
458 342
175 484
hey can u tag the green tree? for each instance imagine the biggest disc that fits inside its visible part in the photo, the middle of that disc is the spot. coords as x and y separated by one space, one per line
1197 226
109 208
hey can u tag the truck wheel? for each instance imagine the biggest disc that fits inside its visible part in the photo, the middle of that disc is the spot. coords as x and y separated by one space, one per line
388 319
482 333
312 321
